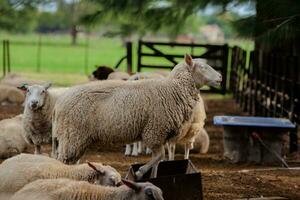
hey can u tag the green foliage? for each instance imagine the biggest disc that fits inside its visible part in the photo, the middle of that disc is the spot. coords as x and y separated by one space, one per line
17 16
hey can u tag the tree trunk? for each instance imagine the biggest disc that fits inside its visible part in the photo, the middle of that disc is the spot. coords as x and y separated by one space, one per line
74 32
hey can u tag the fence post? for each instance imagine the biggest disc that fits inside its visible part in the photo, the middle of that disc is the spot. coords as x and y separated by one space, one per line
225 68
86 53
139 51
8 56
4 57
39 49
129 56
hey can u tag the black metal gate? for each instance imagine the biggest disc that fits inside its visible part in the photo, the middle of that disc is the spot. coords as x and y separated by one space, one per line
215 55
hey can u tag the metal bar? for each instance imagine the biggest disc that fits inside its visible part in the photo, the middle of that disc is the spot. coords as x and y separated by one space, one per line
161 54
256 136
173 44
156 66
120 61
181 56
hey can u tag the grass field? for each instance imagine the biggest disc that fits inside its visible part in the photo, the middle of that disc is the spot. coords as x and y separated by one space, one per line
55 57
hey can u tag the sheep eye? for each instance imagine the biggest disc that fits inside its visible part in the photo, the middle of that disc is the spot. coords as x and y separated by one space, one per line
43 92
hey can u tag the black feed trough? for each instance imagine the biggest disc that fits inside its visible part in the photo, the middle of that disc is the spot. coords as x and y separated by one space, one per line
178 179
253 139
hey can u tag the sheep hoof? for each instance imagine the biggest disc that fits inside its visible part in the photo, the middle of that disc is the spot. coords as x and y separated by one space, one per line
134 154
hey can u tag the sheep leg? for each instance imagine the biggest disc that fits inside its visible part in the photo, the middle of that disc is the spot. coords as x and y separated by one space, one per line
140 147
148 151
154 168
37 149
171 150
135 149
187 147
128 150
186 152
157 155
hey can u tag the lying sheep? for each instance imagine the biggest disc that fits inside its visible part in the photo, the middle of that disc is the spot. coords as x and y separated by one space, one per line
188 137
201 143
116 75
65 189
37 120
145 75
10 94
16 80
153 111
12 141
22 169
101 73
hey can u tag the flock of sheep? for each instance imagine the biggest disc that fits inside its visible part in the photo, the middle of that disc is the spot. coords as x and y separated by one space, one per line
151 110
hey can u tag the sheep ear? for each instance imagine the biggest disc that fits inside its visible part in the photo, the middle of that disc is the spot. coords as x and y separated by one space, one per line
23 87
101 171
132 185
188 60
47 85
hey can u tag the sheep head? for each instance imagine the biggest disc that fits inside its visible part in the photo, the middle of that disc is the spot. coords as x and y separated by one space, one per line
202 73
105 175
35 95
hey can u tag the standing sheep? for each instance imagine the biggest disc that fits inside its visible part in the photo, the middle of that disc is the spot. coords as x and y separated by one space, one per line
12 140
25 168
153 111
65 189
37 119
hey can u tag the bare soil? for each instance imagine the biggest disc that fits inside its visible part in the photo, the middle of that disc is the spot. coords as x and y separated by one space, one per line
220 179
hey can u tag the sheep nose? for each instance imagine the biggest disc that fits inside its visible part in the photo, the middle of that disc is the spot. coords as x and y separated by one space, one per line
34 104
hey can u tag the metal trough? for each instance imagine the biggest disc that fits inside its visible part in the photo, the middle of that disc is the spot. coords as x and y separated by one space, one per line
253 139
178 179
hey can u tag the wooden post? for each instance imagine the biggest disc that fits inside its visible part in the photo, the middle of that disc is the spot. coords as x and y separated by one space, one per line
225 66
8 56
4 58
38 57
139 51
86 54
129 56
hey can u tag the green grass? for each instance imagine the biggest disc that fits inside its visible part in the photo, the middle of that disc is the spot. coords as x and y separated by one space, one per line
58 56
68 64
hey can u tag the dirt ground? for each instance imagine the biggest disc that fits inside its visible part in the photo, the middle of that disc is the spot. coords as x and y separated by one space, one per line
220 179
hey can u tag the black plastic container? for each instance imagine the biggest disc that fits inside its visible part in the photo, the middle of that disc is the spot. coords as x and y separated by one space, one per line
178 179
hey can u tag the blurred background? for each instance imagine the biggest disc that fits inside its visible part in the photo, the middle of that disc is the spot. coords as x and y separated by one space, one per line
49 38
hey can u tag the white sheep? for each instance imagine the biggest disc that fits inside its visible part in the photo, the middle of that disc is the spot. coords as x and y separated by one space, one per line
153 111
10 94
65 189
138 148
12 140
16 80
22 169
117 75
37 119
201 143
145 75
188 137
